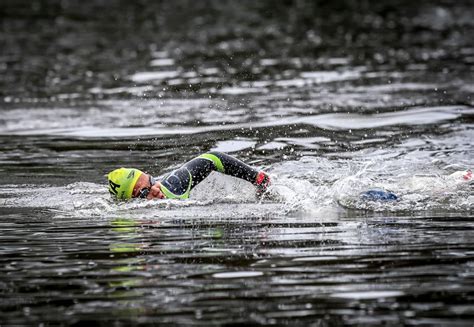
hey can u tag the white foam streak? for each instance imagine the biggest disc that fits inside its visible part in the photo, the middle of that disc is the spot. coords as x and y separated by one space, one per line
143 77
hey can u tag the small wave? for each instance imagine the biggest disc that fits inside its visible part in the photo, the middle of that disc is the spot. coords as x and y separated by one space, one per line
166 118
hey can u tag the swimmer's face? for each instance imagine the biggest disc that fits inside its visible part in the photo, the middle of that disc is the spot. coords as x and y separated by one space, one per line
143 183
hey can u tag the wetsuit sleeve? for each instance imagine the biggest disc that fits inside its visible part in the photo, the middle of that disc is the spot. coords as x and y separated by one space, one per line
231 166
181 181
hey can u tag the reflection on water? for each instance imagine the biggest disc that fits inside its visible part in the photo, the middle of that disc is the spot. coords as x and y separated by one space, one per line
332 99
167 270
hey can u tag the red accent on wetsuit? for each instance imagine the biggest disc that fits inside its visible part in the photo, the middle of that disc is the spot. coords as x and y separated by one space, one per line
468 175
260 177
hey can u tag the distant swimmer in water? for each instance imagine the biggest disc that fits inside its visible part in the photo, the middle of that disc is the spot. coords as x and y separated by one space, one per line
127 183
420 183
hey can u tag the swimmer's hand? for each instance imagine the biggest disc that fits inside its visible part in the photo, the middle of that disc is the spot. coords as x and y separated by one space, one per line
262 183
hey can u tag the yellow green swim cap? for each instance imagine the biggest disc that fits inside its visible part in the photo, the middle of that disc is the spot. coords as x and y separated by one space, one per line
122 181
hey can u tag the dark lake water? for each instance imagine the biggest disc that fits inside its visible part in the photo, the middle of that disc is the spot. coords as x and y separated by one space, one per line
331 99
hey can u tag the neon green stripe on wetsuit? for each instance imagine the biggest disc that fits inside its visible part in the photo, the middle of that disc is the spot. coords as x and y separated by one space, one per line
179 183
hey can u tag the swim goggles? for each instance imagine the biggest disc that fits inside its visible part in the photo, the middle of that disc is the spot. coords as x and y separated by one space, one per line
146 190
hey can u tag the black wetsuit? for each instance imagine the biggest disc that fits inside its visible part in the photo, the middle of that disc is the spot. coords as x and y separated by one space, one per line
178 183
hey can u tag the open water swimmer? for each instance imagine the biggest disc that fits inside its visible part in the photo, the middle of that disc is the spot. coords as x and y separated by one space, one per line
127 183
418 183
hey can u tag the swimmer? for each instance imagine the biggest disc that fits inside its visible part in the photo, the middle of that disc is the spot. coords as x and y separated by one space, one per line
127 183
437 184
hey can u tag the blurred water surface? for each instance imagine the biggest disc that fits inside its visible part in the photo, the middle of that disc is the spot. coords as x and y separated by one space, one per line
331 99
